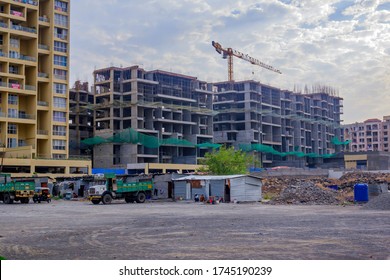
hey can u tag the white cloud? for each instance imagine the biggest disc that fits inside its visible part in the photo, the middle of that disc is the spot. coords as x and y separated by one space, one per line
349 51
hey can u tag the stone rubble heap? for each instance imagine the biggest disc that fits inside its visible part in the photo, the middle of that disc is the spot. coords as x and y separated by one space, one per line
381 202
306 193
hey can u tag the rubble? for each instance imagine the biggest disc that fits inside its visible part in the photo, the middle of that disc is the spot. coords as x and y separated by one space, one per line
381 202
306 193
316 189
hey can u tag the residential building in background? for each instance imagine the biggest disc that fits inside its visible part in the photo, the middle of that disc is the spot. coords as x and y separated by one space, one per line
80 120
150 117
370 135
251 113
34 97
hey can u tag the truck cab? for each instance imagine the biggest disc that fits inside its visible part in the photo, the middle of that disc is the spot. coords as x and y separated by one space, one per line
119 189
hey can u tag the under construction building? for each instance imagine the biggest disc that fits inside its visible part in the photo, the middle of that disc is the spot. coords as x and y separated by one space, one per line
298 129
292 129
160 105
80 119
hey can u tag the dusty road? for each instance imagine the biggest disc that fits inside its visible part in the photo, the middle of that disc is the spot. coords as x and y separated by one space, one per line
179 230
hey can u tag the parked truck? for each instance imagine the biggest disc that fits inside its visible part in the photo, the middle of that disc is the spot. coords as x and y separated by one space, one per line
137 190
16 190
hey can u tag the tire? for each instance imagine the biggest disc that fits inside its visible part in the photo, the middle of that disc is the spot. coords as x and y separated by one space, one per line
7 199
95 201
106 199
129 199
24 200
141 197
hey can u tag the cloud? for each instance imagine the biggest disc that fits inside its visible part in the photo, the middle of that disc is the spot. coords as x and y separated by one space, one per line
345 44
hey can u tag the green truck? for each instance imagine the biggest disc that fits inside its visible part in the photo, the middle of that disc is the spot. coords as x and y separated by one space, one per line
110 188
11 190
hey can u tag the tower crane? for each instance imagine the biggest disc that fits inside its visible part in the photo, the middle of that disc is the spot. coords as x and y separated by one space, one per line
229 53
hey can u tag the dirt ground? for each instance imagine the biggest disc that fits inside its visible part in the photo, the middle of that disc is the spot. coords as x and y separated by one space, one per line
74 230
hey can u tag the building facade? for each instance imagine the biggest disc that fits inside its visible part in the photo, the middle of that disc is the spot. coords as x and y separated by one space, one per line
80 119
250 113
370 135
34 96
168 113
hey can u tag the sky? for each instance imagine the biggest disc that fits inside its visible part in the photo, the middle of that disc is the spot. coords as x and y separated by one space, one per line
341 44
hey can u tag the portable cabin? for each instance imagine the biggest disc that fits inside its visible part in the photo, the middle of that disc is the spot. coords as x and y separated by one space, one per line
229 187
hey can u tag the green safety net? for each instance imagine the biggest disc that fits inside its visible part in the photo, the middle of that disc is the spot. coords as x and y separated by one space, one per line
94 141
336 141
209 145
270 150
134 137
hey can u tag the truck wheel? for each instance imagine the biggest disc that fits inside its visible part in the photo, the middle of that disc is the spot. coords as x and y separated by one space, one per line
129 199
95 201
7 199
24 200
141 197
106 199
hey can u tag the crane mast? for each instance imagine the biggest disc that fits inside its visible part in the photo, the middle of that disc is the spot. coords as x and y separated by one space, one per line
229 53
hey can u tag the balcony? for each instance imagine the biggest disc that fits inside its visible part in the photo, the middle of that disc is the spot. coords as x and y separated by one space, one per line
30 2
43 103
43 47
16 55
17 86
43 75
20 115
22 28
16 13
44 19
42 132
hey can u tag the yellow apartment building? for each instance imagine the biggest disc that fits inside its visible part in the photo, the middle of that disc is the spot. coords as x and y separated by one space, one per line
34 91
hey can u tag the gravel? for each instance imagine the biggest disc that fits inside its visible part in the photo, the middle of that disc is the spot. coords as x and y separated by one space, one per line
381 202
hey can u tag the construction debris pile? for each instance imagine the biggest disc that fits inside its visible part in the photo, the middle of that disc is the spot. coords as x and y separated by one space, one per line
320 189
306 193
352 178
381 202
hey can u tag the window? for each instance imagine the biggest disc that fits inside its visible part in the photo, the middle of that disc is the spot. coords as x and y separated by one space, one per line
59 144
61 33
61 20
13 99
59 156
59 102
60 60
14 43
13 69
59 116
59 88
12 113
61 6
14 54
59 130
12 128
12 143
60 46
60 74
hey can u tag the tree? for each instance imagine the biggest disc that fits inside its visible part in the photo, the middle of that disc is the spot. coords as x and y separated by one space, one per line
227 161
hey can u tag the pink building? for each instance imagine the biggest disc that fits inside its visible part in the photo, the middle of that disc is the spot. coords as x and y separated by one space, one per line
370 135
